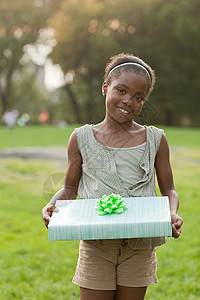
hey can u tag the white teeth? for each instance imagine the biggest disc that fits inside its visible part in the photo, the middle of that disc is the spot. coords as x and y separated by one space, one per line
124 111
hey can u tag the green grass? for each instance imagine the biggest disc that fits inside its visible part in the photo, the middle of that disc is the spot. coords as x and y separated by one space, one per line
30 266
33 268
181 136
34 136
178 260
51 135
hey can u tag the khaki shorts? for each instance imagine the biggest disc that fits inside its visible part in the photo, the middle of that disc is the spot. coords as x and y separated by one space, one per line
104 264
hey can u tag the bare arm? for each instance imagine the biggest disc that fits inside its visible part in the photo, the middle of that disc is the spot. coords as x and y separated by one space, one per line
72 178
166 184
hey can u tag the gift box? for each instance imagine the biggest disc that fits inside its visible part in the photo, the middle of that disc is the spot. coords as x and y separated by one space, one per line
78 220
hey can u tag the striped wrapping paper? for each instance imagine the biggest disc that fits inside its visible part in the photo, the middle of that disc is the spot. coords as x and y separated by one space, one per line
78 220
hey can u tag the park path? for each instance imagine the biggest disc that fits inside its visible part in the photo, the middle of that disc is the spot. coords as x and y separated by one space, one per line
44 153
59 153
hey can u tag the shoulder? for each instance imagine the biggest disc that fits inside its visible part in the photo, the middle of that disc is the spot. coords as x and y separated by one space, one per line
72 143
83 132
164 146
73 151
155 130
83 136
154 137
82 129
79 135
155 133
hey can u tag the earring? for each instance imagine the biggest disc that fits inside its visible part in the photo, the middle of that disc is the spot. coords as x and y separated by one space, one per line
103 89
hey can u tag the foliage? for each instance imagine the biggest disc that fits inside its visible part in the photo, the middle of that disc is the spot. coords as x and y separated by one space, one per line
27 97
175 56
164 33
20 24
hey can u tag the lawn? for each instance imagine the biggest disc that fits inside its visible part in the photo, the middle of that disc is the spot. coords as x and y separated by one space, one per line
33 268
34 136
54 136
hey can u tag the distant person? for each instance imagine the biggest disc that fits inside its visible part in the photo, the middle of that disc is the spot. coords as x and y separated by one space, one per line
25 118
9 118
44 117
119 156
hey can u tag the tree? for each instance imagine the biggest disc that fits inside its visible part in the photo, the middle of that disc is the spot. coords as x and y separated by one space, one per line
174 49
20 24
27 97
165 33
87 35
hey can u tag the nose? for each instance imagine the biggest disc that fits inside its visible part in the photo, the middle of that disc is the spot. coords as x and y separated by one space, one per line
127 100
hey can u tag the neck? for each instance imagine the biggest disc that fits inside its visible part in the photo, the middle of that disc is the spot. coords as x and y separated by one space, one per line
114 126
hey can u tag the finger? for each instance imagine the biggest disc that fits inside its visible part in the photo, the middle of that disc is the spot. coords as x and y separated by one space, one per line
46 220
178 225
56 209
53 208
47 213
46 224
176 232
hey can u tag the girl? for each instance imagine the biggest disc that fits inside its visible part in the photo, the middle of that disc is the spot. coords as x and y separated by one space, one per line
119 156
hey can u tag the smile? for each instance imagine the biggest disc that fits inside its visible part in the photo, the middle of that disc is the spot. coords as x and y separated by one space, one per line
123 110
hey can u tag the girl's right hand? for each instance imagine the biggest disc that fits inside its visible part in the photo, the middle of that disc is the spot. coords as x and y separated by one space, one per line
47 213
71 181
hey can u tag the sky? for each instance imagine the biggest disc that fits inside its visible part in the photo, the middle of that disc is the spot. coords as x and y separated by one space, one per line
54 77
38 53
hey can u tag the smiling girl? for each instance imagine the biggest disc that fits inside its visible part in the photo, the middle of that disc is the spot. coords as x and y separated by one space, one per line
119 156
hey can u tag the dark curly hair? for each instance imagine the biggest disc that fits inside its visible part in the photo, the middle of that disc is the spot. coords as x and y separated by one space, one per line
126 58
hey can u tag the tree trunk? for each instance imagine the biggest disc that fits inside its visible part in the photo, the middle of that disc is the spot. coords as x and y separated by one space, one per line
89 108
168 117
4 96
4 103
6 88
74 102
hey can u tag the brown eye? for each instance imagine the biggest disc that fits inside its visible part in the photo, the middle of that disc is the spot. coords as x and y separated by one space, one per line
139 98
121 91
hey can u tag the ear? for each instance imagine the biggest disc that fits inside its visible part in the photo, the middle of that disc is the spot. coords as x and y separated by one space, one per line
104 88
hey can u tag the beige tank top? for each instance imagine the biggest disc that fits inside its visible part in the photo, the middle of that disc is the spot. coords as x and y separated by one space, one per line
127 162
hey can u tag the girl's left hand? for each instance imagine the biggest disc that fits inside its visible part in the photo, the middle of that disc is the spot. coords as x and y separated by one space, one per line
176 225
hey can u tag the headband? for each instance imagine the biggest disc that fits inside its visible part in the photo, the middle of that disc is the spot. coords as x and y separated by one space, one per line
134 64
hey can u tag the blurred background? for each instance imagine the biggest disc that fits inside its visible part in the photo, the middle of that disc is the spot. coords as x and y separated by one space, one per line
53 54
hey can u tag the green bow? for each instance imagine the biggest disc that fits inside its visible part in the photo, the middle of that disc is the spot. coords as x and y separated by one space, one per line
109 204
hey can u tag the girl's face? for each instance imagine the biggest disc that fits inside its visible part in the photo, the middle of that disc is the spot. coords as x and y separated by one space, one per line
125 97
